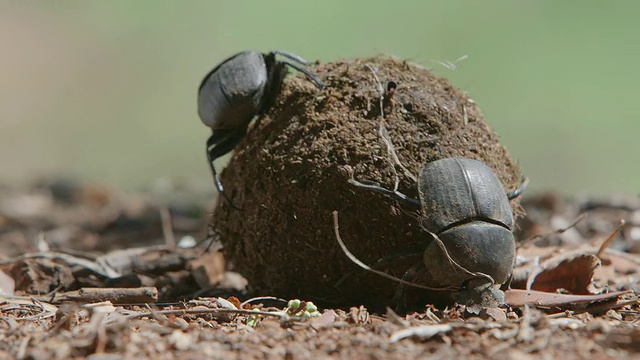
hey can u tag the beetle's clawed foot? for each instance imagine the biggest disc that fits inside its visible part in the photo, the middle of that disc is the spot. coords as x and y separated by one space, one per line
478 294
220 143
221 192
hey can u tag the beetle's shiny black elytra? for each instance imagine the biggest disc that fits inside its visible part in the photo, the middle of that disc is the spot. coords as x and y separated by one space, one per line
237 90
463 203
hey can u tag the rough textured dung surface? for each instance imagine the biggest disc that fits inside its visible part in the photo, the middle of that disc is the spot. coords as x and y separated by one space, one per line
291 172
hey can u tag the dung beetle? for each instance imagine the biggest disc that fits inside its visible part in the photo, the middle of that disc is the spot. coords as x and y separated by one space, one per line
464 204
237 90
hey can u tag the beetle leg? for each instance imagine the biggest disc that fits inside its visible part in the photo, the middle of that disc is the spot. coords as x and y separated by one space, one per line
517 192
394 194
400 297
297 58
507 285
220 143
308 73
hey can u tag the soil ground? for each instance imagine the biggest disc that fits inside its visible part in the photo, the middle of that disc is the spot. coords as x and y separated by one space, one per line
77 218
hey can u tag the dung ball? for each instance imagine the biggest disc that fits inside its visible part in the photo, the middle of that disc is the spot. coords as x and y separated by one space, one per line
292 170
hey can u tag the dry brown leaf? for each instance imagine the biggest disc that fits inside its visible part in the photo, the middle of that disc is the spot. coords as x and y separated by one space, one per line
208 269
359 315
326 319
235 301
421 332
495 313
25 308
573 274
41 276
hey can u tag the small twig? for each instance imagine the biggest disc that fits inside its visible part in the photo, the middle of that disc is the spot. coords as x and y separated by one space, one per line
386 138
452 65
391 150
380 90
356 261
382 131
115 295
561 230
102 339
262 298
280 315
101 269
22 351
609 239
25 304
167 228
465 115
524 329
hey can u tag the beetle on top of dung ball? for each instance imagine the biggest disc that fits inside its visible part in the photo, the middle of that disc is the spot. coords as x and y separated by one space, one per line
236 91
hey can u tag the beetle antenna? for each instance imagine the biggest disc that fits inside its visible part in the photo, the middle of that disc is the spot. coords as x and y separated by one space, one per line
400 297
391 149
355 260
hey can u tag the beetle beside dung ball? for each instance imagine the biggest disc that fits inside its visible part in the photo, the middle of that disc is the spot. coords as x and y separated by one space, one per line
237 90
465 209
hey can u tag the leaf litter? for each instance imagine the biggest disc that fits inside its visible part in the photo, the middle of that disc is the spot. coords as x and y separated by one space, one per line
580 304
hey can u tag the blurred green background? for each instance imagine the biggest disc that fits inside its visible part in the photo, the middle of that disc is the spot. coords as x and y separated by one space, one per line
106 90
